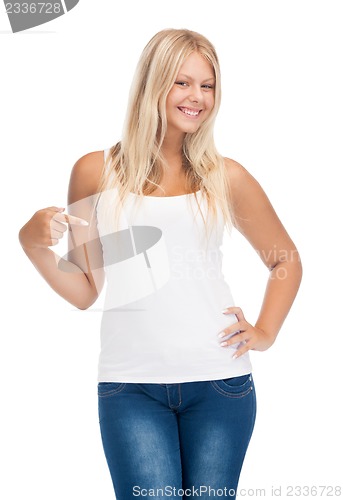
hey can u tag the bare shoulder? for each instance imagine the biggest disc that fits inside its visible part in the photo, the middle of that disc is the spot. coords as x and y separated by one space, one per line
85 176
242 183
250 203
234 169
255 217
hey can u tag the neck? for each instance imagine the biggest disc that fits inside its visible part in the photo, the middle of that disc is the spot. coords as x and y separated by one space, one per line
172 151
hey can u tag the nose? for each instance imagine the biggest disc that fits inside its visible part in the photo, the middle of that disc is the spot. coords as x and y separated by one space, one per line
195 94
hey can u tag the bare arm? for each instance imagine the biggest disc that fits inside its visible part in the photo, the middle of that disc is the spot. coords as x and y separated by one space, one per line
257 221
79 278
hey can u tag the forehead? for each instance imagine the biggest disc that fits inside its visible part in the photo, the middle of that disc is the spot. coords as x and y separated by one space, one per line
196 64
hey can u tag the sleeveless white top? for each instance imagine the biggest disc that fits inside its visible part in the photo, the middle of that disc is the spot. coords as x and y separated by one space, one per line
165 293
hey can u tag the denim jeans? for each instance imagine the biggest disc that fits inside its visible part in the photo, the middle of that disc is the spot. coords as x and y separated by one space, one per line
185 440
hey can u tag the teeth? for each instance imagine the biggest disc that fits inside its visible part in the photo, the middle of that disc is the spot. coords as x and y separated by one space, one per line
189 112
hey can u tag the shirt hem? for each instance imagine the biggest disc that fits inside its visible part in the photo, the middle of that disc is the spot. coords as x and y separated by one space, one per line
176 380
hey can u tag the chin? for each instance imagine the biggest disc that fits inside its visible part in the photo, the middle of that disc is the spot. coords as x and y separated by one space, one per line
191 129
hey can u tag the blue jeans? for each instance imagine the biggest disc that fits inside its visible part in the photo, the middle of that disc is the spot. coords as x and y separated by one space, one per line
183 441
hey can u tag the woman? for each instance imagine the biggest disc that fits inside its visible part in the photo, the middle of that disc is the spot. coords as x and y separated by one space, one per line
177 400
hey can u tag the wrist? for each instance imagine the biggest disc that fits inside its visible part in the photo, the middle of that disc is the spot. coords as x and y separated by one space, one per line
268 334
24 245
27 246
25 239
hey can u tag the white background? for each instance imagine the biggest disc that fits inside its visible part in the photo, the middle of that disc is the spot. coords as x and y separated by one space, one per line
64 88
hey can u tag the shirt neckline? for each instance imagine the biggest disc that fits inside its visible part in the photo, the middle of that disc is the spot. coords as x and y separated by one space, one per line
166 197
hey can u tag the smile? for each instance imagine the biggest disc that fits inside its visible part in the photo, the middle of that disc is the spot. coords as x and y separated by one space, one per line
190 112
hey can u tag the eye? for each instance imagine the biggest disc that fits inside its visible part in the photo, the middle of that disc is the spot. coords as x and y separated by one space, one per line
208 87
182 84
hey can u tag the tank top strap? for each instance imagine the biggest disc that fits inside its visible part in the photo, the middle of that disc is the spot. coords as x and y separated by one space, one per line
107 166
106 153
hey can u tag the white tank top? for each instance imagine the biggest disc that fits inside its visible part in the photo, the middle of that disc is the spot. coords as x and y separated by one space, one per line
165 293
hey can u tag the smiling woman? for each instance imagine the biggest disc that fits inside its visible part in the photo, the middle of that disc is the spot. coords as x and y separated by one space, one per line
176 395
192 95
177 90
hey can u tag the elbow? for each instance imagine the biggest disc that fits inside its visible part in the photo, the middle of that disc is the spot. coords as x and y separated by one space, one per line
82 307
297 264
289 266
299 270
84 303
91 293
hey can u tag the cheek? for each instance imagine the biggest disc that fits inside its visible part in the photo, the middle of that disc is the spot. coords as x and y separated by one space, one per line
210 102
170 106
172 98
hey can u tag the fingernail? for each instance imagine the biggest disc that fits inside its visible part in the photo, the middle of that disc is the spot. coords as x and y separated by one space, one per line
224 311
234 356
84 223
221 334
61 209
223 344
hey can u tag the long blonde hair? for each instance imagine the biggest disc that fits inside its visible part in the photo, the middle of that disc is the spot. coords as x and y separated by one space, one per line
134 164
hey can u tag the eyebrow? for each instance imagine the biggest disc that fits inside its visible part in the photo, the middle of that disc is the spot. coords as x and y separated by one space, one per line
190 78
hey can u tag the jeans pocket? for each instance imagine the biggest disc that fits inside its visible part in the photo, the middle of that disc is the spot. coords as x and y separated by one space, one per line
107 389
234 387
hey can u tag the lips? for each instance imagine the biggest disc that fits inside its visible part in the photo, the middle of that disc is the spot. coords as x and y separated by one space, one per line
190 112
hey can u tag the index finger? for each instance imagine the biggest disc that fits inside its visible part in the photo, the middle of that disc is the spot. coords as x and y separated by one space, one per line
70 219
237 311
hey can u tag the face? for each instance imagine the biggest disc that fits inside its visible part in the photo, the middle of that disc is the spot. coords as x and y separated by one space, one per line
191 98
